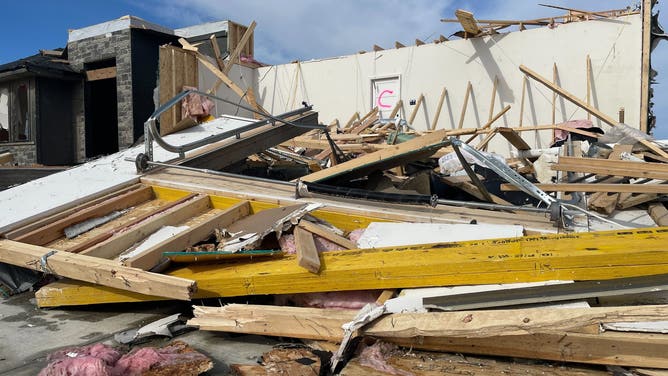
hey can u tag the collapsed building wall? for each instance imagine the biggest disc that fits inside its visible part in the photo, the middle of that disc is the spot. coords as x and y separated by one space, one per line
339 87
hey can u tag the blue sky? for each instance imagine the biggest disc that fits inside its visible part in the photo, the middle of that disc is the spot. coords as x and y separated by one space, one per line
295 29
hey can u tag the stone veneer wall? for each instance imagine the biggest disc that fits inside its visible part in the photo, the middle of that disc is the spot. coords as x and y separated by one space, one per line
24 154
117 46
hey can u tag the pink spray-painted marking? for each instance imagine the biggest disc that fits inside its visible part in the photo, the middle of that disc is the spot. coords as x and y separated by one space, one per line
380 97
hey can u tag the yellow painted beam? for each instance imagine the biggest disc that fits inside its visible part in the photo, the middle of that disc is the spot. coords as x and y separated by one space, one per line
583 256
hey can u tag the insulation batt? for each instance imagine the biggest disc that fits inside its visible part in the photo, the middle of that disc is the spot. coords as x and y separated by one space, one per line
375 356
334 299
102 360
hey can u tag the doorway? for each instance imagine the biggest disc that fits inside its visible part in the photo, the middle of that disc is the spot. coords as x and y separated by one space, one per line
101 108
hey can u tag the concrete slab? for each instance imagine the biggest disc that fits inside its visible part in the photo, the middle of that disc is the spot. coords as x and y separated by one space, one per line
28 334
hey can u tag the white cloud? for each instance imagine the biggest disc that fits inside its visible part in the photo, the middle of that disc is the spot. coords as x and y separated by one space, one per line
309 29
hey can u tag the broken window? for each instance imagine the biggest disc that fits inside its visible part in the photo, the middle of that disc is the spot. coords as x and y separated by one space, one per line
15 112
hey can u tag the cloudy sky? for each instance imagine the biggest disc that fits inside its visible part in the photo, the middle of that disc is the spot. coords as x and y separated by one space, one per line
297 29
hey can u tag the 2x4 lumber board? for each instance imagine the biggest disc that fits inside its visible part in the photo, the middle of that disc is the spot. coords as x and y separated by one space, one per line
418 103
55 230
152 256
581 256
468 22
323 232
263 320
609 348
241 44
437 114
659 213
121 241
100 74
382 159
576 101
307 254
493 99
645 63
365 124
216 52
95 270
598 187
465 103
649 170
629 200
514 138
396 108
6 158
349 123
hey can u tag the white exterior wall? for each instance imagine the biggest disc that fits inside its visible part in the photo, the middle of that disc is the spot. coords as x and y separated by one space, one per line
243 76
338 87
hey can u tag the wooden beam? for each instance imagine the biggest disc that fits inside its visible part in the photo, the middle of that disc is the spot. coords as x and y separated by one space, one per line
493 98
54 230
468 22
152 256
659 213
234 55
398 44
578 256
122 240
396 108
645 68
216 52
609 348
278 320
377 48
416 108
573 99
418 42
327 234
469 87
385 158
437 114
514 138
648 170
100 74
524 87
349 123
598 187
6 158
307 254
91 269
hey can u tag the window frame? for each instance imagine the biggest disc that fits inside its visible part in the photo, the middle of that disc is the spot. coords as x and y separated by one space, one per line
12 112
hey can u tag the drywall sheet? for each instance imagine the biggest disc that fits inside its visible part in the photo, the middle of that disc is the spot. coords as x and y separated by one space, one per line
48 195
341 86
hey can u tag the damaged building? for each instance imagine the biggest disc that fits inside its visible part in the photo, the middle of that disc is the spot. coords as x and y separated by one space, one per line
495 194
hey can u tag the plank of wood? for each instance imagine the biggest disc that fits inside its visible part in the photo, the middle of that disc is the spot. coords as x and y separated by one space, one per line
349 123
327 234
382 159
649 170
645 68
396 108
493 98
604 202
609 348
307 254
465 103
470 188
54 230
437 114
418 42
468 22
524 88
514 138
629 200
398 44
95 270
153 255
659 213
364 125
216 52
580 256
419 101
122 240
177 68
6 157
278 320
599 187
100 74
234 55
378 48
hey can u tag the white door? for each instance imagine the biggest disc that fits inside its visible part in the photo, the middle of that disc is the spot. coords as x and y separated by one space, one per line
385 95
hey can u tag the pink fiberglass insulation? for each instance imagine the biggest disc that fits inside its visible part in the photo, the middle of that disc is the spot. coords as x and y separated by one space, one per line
333 299
375 356
102 360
